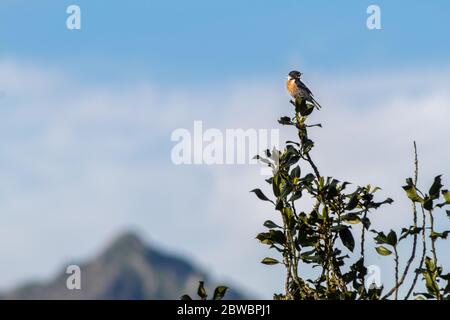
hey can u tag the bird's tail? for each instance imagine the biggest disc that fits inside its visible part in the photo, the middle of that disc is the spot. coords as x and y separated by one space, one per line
318 106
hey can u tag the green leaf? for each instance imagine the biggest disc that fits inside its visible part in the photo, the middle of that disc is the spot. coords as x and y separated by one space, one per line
286 190
270 224
352 218
295 173
311 257
309 178
446 195
288 213
411 192
264 237
219 293
380 238
273 236
285 121
276 185
332 189
376 189
303 108
428 204
411 231
270 261
383 251
353 202
347 238
429 263
308 144
296 195
338 227
279 205
376 205
366 222
392 238
435 188
290 151
442 235
277 236
344 185
293 142
201 291
431 285
430 278
261 195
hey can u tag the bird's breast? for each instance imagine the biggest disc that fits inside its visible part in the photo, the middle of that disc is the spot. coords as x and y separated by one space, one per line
292 87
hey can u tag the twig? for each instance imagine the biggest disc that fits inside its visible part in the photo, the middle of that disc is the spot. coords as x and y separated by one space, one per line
363 233
422 259
396 273
414 248
416 165
363 242
310 161
433 239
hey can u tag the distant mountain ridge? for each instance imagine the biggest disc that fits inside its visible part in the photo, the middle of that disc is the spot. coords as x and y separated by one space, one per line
125 270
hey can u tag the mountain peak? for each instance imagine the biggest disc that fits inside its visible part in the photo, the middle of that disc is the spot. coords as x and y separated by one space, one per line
123 246
126 269
128 240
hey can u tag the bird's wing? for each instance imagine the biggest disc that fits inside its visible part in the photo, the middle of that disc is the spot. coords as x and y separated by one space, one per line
303 86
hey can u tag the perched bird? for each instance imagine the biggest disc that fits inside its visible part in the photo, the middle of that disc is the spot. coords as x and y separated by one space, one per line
298 90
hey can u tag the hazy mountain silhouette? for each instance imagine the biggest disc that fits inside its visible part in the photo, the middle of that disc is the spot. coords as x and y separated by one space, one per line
127 269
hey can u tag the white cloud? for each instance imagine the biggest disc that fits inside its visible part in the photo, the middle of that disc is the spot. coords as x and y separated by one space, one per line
80 163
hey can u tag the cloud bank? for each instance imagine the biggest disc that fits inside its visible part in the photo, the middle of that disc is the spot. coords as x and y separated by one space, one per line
80 162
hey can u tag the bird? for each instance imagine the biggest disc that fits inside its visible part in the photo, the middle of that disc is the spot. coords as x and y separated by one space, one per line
298 90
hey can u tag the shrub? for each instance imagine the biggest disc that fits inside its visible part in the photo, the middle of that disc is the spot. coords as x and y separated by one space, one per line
322 238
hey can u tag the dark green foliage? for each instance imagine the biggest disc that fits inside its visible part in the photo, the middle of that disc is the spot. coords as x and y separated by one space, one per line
219 293
269 261
310 237
261 195
347 238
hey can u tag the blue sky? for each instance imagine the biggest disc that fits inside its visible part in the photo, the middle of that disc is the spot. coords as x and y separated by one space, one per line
227 40
86 118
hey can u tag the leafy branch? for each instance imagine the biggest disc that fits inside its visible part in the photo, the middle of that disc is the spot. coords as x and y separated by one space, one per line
322 238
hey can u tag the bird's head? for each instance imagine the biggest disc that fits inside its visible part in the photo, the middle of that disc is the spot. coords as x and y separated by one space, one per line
294 75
